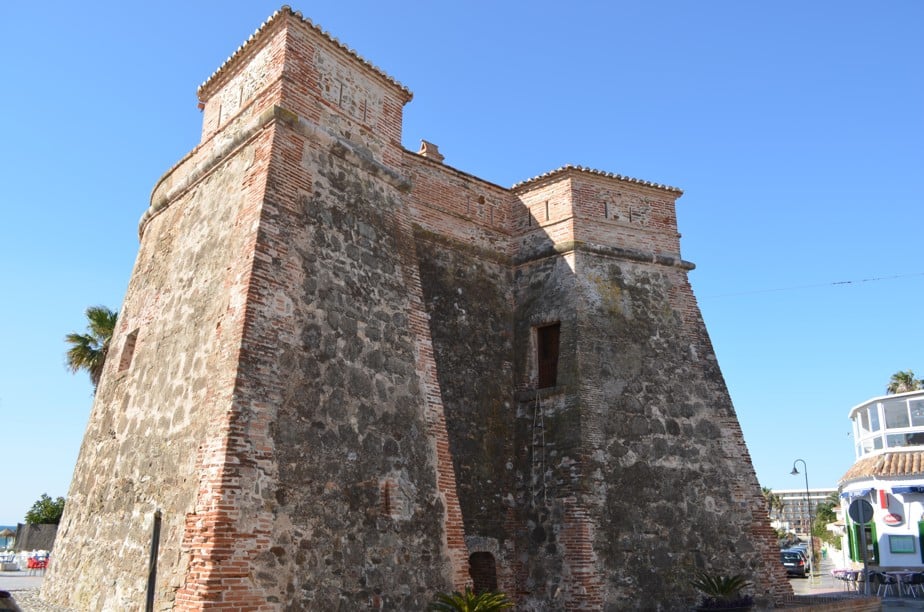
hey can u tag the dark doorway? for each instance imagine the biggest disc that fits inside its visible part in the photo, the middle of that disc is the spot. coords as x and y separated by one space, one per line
483 571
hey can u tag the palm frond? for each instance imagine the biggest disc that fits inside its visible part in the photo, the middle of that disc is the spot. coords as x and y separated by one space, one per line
102 321
719 585
88 351
903 381
468 601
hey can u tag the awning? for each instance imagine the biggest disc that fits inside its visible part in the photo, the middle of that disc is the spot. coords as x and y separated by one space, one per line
850 495
911 489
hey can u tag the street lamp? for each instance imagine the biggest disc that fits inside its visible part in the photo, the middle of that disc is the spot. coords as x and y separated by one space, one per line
808 502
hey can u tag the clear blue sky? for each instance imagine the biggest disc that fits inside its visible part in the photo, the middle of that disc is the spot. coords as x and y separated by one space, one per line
796 130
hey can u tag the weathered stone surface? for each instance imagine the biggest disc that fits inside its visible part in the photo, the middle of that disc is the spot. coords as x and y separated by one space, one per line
468 299
324 394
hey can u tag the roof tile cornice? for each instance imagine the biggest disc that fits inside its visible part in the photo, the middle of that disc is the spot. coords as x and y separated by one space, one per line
268 24
572 168
892 464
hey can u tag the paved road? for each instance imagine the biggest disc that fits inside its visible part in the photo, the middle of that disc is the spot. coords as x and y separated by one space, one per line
824 583
18 581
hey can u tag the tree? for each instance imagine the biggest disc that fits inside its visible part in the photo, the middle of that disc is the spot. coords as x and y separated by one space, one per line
88 351
826 513
904 381
774 501
46 511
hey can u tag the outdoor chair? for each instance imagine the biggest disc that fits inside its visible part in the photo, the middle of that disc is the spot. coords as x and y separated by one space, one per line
853 580
885 584
914 584
36 565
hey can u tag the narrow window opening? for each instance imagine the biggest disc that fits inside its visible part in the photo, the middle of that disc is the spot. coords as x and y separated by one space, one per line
547 344
546 210
606 210
128 351
483 570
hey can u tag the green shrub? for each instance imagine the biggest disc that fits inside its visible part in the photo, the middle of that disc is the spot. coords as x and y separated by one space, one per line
487 601
720 591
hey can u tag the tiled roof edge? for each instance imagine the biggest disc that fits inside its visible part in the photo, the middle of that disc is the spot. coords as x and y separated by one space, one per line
287 10
886 465
571 167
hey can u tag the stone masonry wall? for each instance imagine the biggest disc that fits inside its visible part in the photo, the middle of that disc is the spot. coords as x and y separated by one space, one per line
253 521
548 441
661 444
155 409
332 361
639 432
463 246
467 298
335 425
226 528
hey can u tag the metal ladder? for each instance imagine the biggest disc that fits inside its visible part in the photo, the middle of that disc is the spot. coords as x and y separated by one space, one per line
538 454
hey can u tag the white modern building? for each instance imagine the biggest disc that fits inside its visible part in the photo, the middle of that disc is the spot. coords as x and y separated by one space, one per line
794 516
889 474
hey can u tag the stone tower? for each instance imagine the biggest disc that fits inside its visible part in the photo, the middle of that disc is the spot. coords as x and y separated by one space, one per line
348 376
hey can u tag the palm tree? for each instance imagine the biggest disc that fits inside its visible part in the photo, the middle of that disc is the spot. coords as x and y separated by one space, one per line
774 501
904 381
88 351
768 498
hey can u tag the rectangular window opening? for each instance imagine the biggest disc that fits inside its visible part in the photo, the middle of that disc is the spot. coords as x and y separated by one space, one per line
128 351
547 346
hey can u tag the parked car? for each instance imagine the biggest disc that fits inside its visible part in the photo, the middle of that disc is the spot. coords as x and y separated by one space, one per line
804 549
795 562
